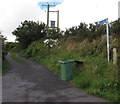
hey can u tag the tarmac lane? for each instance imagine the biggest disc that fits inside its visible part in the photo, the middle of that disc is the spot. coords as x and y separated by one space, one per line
31 82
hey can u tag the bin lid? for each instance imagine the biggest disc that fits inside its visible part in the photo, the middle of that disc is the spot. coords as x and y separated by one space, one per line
66 61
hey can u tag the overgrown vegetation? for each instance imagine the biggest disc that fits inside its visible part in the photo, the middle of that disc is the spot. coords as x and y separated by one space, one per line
28 32
84 43
97 77
5 66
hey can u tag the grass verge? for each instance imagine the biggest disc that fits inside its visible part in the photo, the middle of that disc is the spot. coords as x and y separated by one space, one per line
5 66
13 55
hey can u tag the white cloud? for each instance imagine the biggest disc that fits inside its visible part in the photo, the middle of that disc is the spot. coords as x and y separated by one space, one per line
89 11
13 12
72 12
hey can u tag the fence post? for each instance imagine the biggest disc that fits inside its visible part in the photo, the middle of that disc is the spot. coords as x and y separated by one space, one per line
114 55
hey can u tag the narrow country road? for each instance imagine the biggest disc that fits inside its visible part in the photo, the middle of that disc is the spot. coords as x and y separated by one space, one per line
31 82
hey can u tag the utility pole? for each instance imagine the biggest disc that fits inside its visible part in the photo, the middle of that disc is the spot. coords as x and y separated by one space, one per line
48 6
118 9
57 17
48 19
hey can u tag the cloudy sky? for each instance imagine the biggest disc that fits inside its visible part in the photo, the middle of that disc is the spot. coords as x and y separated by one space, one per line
72 12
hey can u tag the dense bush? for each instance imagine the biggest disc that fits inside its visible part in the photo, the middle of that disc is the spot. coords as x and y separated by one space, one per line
9 46
28 32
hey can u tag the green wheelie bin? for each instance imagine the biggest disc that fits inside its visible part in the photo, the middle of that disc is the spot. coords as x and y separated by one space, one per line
66 69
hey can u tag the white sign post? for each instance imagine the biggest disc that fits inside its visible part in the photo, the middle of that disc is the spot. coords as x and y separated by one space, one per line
108 44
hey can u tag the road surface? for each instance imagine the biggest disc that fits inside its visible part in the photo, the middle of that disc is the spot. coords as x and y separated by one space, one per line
31 82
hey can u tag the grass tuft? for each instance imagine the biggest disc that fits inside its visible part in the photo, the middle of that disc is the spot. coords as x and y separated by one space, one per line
13 55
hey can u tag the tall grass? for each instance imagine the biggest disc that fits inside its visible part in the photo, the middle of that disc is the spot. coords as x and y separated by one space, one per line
5 66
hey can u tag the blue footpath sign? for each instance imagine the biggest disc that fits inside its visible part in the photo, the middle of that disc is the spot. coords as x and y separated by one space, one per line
103 21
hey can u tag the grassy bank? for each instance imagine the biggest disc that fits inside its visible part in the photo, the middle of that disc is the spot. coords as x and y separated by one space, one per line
96 77
5 66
